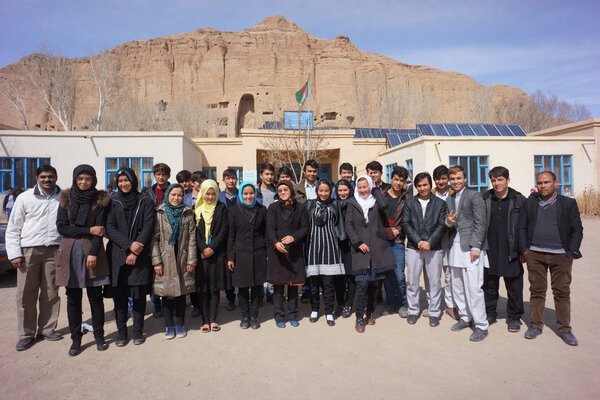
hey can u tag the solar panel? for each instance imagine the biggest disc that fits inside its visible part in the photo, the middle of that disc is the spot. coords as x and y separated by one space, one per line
439 130
466 130
504 130
452 129
516 129
425 129
491 129
478 129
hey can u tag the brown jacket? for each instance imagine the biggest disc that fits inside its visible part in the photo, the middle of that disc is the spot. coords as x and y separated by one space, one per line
91 244
175 281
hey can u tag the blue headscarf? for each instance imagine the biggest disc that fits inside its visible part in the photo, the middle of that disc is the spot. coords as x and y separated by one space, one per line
241 199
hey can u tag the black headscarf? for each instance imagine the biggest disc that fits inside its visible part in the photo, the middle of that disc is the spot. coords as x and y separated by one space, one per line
321 213
287 208
130 199
80 201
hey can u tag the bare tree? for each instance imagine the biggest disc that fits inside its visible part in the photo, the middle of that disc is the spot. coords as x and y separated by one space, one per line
105 73
13 94
483 106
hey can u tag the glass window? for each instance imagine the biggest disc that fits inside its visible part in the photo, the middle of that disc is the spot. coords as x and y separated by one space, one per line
409 167
211 172
141 165
476 170
561 166
19 172
388 171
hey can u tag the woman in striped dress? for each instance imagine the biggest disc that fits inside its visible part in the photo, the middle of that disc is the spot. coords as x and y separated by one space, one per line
323 255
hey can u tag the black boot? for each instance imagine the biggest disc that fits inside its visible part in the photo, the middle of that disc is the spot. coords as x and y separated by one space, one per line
75 348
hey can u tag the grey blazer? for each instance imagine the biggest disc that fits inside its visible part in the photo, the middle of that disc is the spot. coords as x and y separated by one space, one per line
471 222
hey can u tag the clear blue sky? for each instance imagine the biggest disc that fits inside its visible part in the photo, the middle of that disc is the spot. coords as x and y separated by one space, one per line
549 45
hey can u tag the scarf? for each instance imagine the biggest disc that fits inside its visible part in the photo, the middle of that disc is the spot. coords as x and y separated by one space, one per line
321 213
80 201
249 211
129 199
288 207
365 203
173 214
205 210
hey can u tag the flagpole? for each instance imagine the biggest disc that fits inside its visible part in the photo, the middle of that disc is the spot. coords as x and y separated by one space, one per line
308 122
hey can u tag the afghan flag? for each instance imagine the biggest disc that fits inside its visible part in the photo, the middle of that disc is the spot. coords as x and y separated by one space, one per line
302 94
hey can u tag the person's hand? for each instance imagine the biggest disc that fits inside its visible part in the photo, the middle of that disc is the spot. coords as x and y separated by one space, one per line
230 265
523 257
97 230
475 255
364 248
91 262
280 247
424 245
131 259
207 252
396 232
136 248
451 219
18 262
189 268
287 239
158 270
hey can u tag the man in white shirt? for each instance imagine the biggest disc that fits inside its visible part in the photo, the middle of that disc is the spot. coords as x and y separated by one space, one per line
31 240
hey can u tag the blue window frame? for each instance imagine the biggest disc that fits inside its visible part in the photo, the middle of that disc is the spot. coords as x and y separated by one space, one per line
476 170
141 165
19 172
409 167
388 171
211 172
561 165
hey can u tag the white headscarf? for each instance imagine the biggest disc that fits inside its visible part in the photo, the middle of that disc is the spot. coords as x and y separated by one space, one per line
366 203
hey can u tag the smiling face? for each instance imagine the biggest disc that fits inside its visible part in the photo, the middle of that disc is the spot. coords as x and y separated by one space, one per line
397 183
161 179
84 181
310 174
176 196
423 189
284 193
375 176
343 192
458 181
47 181
500 186
441 184
248 195
363 188
210 196
323 191
124 184
346 174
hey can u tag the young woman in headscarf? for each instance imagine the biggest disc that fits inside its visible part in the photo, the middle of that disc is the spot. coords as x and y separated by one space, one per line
211 238
323 255
129 227
174 258
246 252
371 254
81 261
287 227
345 286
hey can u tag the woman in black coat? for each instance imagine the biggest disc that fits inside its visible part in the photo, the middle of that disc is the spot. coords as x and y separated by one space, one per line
247 253
287 227
371 254
211 237
129 227
345 286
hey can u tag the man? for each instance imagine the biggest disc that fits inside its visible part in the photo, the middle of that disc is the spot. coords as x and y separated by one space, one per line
266 193
375 171
442 190
229 195
550 233
162 173
306 188
184 178
9 202
346 171
423 222
466 218
503 205
395 282
31 240
285 173
191 198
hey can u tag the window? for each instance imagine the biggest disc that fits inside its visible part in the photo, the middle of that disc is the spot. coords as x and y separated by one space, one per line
141 165
409 168
476 170
239 171
562 166
18 172
388 171
211 172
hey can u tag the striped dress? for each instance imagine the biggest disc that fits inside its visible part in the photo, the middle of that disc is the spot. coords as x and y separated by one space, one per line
323 255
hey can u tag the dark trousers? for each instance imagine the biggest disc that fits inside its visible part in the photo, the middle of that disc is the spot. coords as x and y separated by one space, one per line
156 302
209 304
195 300
365 297
559 266
292 300
174 311
122 315
514 290
249 300
230 295
74 311
345 290
327 281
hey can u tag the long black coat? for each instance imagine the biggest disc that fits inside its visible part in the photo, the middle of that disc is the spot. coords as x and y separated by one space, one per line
122 235
219 231
286 268
372 233
246 246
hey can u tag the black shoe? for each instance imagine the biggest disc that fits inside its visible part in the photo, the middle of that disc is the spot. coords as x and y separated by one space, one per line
121 339
254 323
330 322
514 324
75 349
25 343
313 319
360 325
478 335
491 320
346 312
138 338
51 337
101 344
158 313
569 338
532 332
412 319
245 323
434 321
338 312
230 305
460 325
196 312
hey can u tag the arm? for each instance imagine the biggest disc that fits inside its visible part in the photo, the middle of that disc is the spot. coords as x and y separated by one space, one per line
522 228
156 256
13 230
200 240
341 230
220 239
380 200
112 230
350 229
576 234
148 219
479 221
407 224
302 231
440 228
96 241
192 248
65 229
271 230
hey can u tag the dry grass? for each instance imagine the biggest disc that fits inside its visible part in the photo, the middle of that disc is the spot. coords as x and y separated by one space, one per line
589 202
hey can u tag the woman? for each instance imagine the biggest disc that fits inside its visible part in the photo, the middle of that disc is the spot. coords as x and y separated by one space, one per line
129 227
174 258
287 227
323 256
247 253
81 261
371 254
211 239
345 286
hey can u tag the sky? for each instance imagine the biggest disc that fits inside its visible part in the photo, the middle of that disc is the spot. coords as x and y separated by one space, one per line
549 45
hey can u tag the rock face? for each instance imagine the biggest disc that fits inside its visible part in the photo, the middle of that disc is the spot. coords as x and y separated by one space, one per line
243 79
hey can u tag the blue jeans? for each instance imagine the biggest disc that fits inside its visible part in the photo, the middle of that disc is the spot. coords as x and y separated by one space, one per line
395 282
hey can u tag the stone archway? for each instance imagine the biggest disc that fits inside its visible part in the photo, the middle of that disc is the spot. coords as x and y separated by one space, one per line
245 115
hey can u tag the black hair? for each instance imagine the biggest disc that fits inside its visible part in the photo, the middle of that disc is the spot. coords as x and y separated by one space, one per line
346 183
422 175
400 171
183 175
310 163
229 173
196 177
497 172
161 167
285 170
375 166
45 168
440 171
552 174
346 167
267 167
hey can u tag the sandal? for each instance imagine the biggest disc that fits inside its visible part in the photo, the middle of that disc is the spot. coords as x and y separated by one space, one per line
205 328
215 327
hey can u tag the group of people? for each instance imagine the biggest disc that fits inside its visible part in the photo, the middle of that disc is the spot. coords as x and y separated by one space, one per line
348 240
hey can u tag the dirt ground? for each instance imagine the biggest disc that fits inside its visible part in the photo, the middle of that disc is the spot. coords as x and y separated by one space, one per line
391 360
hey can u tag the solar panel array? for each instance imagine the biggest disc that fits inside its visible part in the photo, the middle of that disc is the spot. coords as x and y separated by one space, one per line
469 130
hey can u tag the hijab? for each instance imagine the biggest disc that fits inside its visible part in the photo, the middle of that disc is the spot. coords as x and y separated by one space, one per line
205 210
365 203
249 211
173 213
130 199
80 201
321 213
287 208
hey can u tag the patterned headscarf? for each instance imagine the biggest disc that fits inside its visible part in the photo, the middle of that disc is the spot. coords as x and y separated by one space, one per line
173 213
205 210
